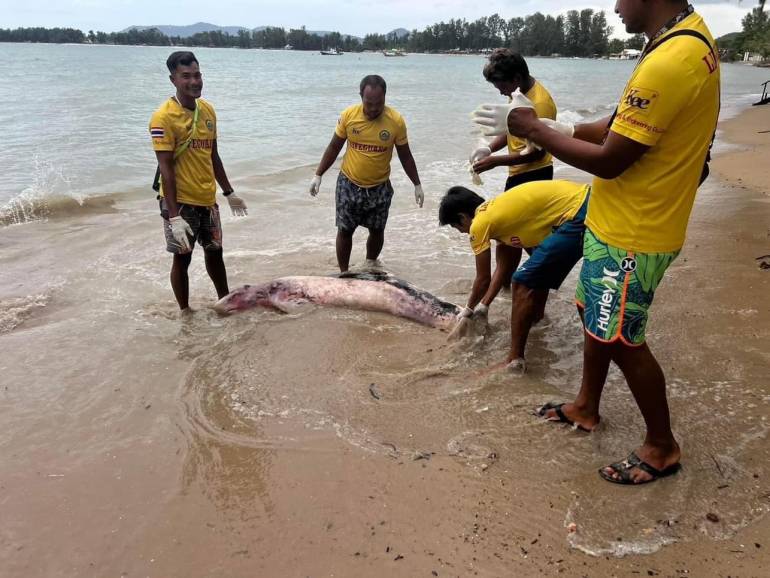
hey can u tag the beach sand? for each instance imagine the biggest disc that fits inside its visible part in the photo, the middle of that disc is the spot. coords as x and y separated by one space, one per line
207 467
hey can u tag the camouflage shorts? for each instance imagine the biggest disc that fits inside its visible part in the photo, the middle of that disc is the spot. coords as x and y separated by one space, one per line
204 221
362 206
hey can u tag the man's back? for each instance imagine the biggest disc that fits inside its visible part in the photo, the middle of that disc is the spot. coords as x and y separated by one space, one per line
670 104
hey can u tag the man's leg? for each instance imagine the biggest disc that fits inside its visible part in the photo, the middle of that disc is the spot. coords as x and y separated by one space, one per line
344 248
215 267
179 280
648 384
374 243
525 305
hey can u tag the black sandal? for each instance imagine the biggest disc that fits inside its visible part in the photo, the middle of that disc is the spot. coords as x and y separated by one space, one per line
623 470
559 414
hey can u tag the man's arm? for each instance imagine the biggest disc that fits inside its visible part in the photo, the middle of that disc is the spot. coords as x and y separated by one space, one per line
506 261
166 164
498 143
330 154
507 160
219 169
483 277
407 161
607 160
594 132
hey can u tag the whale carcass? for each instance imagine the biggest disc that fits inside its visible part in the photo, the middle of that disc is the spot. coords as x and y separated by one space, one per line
369 291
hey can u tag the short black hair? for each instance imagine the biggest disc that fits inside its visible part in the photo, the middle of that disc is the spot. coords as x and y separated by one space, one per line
373 80
458 201
504 64
183 57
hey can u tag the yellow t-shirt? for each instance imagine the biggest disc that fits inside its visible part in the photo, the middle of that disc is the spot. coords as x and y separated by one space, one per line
545 108
670 104
370 143
170 127
525 215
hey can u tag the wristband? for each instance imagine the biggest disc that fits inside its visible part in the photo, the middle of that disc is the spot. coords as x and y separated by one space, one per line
228 193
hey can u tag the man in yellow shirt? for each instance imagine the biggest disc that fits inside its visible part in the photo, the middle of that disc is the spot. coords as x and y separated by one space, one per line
547 215
507 71
648 159
184 137
364 192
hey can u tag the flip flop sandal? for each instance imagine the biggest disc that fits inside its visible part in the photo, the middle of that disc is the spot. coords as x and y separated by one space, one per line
623 470
559 414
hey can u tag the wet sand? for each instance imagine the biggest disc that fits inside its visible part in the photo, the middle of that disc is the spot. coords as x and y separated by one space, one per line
257 445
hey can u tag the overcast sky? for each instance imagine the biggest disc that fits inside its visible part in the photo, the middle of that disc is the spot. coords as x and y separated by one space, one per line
356 17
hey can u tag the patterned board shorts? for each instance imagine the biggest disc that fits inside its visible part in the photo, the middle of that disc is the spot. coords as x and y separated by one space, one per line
361 206
616 289
204 221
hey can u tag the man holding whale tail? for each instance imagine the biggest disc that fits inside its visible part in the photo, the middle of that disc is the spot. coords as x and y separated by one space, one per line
184 137
547 215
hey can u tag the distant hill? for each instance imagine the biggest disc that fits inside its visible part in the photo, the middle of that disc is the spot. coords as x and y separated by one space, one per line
189 30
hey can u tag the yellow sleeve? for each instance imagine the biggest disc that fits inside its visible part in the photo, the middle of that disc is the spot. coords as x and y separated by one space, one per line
546 108
479 235
342 125
161 132
656 95
401 135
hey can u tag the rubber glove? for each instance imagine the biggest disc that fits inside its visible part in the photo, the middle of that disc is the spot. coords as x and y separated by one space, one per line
462 327
565 128
180 230
237 205
315 185
481 311
493 118
419 196
480 153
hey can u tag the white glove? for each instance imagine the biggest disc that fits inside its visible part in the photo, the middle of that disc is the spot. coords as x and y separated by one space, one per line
180 231
315 185
480 153
517 367
565 128
237 205
495 116
481 310
419 196
465 312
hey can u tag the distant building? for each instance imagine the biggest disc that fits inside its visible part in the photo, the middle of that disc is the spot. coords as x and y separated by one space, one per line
753 57
626 54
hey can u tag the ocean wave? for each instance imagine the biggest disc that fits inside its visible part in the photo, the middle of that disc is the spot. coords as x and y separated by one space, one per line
32 206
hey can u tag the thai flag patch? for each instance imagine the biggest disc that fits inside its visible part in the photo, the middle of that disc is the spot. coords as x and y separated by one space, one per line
157 132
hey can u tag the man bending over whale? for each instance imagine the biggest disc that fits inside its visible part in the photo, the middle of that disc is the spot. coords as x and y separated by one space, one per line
547 215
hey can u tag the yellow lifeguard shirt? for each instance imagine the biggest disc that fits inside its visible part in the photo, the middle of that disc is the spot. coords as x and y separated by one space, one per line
525 215
370 143
545 108
170 127
670 104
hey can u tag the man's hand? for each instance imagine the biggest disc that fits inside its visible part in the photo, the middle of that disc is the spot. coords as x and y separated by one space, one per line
180 230
565 128
419 196
485 164
493 118
237 205
521 122
315 185
480 153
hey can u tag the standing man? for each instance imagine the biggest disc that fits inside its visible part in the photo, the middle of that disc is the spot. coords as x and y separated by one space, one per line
364 192
547 215
649 159
184 137
507 71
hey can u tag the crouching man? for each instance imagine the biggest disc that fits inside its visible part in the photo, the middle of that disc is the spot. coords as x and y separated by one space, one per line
545 215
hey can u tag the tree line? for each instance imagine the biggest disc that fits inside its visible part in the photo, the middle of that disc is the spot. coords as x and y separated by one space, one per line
755 36
577 33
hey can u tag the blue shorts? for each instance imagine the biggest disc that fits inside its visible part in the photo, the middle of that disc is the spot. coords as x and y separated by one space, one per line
554 258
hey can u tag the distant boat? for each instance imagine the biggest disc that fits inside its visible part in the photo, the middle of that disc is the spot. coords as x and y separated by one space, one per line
332 52
393 52
288 47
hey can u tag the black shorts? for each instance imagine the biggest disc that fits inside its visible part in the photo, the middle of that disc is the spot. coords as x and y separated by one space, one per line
541 174
204 222
362 206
